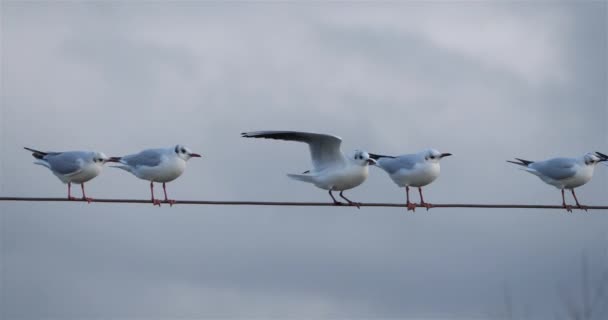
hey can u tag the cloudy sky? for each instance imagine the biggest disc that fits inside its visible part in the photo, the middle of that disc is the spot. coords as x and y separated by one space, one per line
486 82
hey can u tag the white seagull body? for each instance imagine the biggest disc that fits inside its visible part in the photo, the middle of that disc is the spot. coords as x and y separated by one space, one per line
412 170
564 173
72 166
156 165
332 170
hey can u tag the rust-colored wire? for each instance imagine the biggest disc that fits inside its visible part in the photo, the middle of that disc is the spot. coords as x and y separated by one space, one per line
303 204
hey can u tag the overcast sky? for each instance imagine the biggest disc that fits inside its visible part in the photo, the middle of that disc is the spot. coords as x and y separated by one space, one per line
486 82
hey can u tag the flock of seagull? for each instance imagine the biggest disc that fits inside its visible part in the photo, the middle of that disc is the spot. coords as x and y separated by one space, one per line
332 170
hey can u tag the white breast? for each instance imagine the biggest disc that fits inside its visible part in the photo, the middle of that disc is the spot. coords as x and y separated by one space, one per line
169 169
419 176
582 176
87 173
343 178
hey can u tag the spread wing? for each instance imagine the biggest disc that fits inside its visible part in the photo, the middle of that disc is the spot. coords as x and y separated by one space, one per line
67 163
324 149
392 165
556 169
148 158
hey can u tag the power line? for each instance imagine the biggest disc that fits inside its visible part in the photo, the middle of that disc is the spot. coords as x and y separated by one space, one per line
302 204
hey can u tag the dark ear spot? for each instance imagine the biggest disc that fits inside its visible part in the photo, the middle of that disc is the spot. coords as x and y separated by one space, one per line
176 149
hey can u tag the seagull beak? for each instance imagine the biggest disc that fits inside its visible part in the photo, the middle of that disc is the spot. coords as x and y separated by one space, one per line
371 161
195 155
445 155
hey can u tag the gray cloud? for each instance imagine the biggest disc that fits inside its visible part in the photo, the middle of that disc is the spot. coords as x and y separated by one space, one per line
485 82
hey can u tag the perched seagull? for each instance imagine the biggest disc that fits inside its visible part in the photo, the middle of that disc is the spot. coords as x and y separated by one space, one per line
72 166
332 170
157 165
564 173
412 170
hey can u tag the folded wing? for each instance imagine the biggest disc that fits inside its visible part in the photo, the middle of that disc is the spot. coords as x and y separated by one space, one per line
66 163
556 169
148 158
392 165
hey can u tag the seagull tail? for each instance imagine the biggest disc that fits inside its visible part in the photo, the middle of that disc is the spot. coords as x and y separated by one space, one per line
378 156
301 177
35 153
522 162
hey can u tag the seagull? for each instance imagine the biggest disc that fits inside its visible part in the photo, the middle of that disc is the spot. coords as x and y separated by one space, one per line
157 165
412 170
72 166
564 173
332 170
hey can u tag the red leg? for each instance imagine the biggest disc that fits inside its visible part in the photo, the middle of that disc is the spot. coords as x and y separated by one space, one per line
70 192
336 202
568 208
154 201
422 203
84 195
171 202
410 205
352 203
575 199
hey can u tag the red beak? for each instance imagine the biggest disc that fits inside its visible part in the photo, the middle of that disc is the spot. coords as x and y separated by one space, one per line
195 155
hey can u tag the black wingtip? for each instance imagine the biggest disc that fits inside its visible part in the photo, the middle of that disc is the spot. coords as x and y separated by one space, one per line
526 162
521 162
114 159
601 155
36 153
378 156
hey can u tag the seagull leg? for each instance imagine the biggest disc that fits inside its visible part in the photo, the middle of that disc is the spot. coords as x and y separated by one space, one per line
422 203
70 192
171 202
336 202
568 208
410 205
352 203
155 202
84 195
578 204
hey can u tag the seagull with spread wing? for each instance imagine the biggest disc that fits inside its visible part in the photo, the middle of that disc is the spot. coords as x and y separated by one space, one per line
72 166
332 170
157 165
564 173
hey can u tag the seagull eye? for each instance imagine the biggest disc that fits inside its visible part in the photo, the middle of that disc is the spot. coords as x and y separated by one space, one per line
183 150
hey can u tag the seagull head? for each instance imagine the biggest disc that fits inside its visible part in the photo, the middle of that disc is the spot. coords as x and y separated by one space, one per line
362 158
99 158
185 153
592 159
432 155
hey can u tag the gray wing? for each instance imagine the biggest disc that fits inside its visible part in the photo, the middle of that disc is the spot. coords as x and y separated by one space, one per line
148 158
556 169
67 163
324 149
392 165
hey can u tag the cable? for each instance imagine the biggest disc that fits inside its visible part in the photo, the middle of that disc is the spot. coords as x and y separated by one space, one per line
302 204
